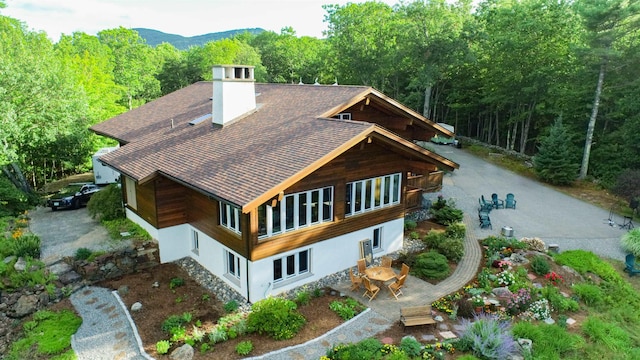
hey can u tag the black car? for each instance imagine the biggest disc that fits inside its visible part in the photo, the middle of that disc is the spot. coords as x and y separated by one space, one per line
73 200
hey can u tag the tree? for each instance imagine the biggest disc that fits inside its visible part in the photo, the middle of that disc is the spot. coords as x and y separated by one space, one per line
39 104
134 65
607 21
363 39
554 162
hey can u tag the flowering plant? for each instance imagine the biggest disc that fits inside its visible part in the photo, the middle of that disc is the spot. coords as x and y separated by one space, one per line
541 309
519 302
506 278
477 300
555 278
504 264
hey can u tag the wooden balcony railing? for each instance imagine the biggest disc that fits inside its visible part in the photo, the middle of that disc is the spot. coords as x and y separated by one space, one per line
417 184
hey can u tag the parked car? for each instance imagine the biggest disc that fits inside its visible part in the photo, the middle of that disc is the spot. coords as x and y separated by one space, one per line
73 200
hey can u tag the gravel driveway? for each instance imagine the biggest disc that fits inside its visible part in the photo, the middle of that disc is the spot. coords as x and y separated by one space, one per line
541 211
62 232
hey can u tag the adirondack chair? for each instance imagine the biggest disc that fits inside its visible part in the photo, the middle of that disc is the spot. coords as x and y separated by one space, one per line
630 265
484 206
497 203
485 221
510 202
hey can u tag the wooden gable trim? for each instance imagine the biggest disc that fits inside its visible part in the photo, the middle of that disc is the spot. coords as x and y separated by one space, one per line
423 154
277 190
386 102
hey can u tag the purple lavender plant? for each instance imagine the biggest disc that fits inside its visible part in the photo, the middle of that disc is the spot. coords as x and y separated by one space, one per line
489 337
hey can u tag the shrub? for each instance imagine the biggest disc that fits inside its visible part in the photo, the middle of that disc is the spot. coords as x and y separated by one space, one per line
410 346
244 347
410 225
452 248
433 239
14 201
431 265
106 204
628 184
276 317
162 346
82 254
414 235
231 306
630 242
447 214
27 245
488 337
539 265
456 230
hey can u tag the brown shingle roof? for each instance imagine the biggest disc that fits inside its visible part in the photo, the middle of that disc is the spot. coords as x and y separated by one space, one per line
242 160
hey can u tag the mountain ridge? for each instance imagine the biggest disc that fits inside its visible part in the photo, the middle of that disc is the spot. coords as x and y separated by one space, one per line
156 37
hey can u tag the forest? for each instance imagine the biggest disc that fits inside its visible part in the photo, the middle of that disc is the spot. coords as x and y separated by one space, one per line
554 79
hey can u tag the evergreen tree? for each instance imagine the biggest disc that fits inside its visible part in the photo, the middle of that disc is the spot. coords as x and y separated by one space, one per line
554 162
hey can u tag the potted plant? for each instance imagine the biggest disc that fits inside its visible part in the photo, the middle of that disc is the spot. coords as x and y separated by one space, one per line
478 303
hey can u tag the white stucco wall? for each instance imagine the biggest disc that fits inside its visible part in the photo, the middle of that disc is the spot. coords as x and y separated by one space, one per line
327 257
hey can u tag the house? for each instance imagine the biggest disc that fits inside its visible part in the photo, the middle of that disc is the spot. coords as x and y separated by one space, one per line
271 186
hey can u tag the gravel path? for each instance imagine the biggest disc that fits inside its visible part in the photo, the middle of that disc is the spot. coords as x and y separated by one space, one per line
107 331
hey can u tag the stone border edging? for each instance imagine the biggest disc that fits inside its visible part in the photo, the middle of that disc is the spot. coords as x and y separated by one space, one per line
134 329
293 347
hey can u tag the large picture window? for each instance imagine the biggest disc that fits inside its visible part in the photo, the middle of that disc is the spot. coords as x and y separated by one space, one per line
370 194
296 211
291 265
230 217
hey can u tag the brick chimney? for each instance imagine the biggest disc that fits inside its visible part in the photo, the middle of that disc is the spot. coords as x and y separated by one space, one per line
234 93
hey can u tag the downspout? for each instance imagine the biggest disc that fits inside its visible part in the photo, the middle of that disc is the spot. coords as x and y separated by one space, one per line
246 264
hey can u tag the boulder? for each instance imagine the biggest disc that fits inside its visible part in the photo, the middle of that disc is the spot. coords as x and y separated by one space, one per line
26 304
20 265
137 306
184 352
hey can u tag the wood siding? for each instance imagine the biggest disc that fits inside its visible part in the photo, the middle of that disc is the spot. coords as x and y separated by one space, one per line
146 203
364 161
400 125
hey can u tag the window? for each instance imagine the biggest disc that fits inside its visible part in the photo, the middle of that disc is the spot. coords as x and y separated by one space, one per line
232 264
230 217
296 211
370 194
291 265
377 239
195 242
344 116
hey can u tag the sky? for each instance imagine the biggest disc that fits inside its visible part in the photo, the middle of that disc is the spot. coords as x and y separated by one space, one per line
181 17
